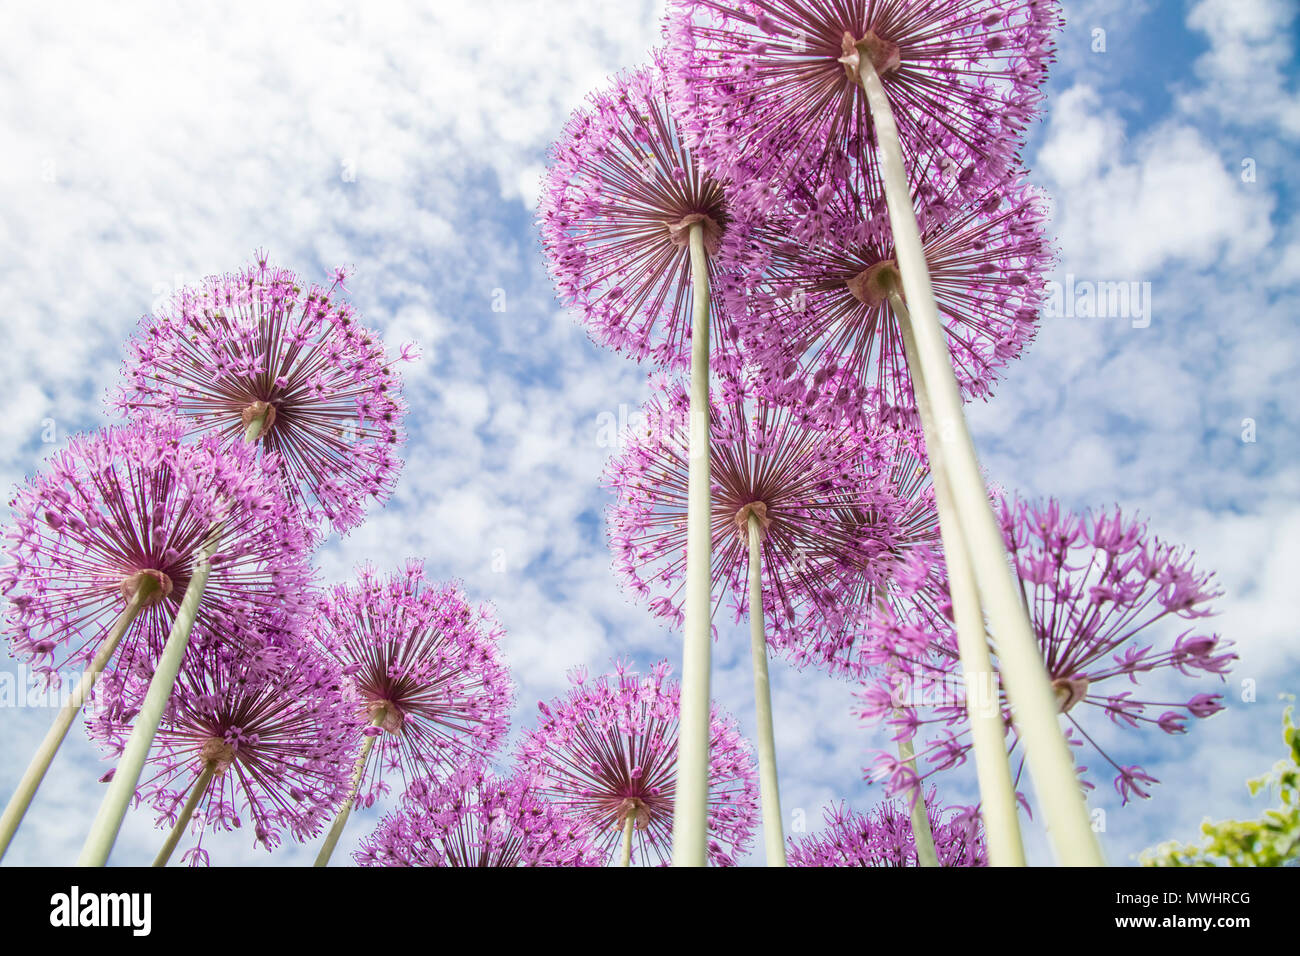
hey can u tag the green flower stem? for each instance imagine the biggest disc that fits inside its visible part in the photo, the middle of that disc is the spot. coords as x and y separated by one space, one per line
121 791
998 806
1028 688
625 855
197 791
769 789
44 756
691 806
341 821
921 832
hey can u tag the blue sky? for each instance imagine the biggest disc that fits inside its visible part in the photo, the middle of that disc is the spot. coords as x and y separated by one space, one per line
150 145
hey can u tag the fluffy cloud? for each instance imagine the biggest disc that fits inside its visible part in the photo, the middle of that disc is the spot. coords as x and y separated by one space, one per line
1243 76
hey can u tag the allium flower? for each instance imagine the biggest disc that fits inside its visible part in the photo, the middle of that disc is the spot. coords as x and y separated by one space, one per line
130 507
767 99
607 751
884 837
258 342
803 484
821 313
475 819
423 669
1101 594
897 533
258 725
615 215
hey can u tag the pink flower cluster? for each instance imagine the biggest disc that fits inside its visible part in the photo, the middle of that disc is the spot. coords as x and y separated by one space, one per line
423 671
1107 601
769 98
129 507
264 713
884 837
472 818
260 342
607 752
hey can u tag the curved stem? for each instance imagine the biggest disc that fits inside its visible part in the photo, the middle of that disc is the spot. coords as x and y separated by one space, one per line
769 788
44 756
998 806
1028 687
341 821
691 802
104 830
197 791
625 855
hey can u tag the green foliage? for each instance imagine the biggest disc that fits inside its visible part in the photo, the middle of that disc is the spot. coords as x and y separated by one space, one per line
1273 840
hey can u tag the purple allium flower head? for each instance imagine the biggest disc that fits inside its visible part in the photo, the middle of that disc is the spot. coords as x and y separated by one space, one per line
822 312
1102 593
896 531
803 483
608 750
264 714
261 341
132 506
766 99
615 214
423 669
883 837
475 819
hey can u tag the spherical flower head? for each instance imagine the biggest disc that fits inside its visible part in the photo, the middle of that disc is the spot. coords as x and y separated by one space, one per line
607 752
262 345
769 96
617 208
1110 605
475 819
825 313
125 513
883 837
895 530
263 713
803 484
423 671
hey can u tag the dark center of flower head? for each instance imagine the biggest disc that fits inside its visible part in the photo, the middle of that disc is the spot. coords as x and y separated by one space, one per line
385 715
874 284
1069 691
154 585
881 53
637 809
759 510
219 753
262 410
679 231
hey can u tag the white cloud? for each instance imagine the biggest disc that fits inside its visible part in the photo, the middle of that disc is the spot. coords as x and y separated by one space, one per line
1243 79
1125 211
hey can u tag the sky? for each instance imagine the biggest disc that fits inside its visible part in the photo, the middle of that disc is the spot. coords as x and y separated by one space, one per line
149 145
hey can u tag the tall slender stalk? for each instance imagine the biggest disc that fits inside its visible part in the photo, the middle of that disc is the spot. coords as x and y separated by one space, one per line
998 806
44 756
769 789
1028 688
341 821
625 855
920 814
103 832
691 804
926 855
197 791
